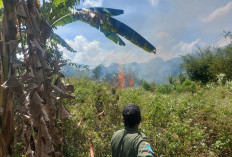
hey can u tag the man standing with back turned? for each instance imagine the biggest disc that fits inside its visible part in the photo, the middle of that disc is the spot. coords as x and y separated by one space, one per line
129 142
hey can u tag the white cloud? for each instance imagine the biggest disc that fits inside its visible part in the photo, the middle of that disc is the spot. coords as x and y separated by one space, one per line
223 42
184 48
218 13
162 35
187 47
93 3
90 53
154 2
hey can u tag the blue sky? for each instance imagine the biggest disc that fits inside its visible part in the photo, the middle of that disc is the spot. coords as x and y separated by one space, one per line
174 27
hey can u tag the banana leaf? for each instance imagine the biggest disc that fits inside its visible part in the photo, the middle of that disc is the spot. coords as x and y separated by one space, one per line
57 9
66 19
112 28
100 18
106 11
61 41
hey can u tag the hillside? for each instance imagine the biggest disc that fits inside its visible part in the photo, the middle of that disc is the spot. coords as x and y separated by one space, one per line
157 70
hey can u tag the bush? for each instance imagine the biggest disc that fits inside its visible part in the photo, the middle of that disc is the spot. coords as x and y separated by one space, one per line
164 88
146 86
206 64
198 65
187 86
149 86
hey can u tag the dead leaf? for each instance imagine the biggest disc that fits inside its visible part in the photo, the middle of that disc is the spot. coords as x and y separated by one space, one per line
37 62
63 113
21 11
37 45
13 44
37 99
1 111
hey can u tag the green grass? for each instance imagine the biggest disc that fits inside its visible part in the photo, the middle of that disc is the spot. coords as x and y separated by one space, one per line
177 123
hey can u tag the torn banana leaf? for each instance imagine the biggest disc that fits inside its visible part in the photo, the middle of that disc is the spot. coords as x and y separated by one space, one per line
113 36
67 18
106 11
113 26
61 41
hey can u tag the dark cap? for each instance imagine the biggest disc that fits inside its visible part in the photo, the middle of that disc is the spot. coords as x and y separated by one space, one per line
131 115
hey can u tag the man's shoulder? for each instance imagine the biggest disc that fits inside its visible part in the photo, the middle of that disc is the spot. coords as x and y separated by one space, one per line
139 137
118 134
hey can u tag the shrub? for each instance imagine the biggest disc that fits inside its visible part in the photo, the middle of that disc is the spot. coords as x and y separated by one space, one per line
206 64
187 86
164 88
146 86
149 86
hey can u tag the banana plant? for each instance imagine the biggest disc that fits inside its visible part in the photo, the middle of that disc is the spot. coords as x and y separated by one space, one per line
59 13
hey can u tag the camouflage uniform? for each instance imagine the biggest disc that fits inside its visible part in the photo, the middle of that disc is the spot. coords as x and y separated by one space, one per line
130 143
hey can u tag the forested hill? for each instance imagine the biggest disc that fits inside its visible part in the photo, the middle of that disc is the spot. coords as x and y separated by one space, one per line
156 70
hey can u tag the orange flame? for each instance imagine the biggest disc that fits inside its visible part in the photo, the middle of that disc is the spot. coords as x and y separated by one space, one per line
131 81
121 77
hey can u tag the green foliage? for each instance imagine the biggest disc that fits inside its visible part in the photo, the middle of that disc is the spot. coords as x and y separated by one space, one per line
146 85
97 72
187 86
63 12
176 124
1 4
198 66
206 64
164 88
181 78
221 79
57 2
149 86
171 80
229 85
84 107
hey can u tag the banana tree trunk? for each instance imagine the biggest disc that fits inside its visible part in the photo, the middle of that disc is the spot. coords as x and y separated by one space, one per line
6 100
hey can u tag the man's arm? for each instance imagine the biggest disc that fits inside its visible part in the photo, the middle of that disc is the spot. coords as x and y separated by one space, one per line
144 150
